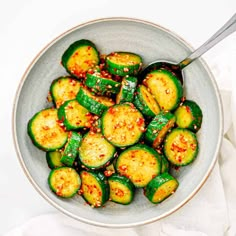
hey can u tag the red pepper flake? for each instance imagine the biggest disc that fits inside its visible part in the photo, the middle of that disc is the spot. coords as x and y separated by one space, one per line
140 121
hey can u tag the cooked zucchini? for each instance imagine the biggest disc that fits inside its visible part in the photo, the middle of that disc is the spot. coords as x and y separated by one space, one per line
145 102
165 165
63 89
189 115
123 63
74 116
122 125
181 146
46 131
121 189
81 56
94 188
160 188
95 104
127 89
54 159
158 128
165 87
64 181
95 151
140 163
71 148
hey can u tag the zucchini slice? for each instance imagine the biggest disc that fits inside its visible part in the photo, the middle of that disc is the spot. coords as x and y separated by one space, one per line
158 128
122 125
95 104
189 115
46 131
79 57
181 146
165 87
64 181
123 63
145 102
140 164
127 89
121 189
101 85
165 165
95 151
63 89
71 148
54 159
160 188
74 116
94 188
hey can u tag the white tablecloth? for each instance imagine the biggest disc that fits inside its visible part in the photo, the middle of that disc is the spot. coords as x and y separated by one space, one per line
27 26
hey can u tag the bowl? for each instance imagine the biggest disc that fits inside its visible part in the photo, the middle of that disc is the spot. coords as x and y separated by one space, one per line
152 42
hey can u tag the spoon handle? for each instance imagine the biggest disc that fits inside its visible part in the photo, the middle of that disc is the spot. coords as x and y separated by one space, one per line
228 28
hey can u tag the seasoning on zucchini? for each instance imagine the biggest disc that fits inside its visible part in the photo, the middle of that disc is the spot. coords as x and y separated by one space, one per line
181 146
74 116
54 159
189 115
71 148
123 63
64 181
122 125
140 163
79 57
95 151
158 128
63 89
121 189
94 188
46 131
160 188
145 102
165 87
95 104
127 89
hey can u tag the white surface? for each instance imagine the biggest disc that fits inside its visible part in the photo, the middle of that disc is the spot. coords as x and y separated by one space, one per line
27 26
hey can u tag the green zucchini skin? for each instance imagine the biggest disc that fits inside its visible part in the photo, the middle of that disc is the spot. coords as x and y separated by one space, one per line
54 159
158 128
127 89
181 147
121 189
165 165
45 130
95 188
160 188
139 170
189 115
71 148
64 181
81 64
123 63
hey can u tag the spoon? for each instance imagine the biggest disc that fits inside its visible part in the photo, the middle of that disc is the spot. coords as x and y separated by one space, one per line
228 28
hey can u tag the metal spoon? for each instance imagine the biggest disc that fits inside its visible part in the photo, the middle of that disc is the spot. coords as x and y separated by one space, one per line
228 28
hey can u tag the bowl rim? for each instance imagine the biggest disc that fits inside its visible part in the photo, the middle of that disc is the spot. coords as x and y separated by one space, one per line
37 187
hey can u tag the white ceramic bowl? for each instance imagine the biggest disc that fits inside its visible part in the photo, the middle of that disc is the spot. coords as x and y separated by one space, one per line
152 42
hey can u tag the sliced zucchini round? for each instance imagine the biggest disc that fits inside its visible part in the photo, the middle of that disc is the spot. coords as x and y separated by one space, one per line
64 181
95 151
94 188
122 125
95 104
79 57
160 188
139 163
123 63
181 146
145 102
189 115
121 189
165 87
63 89
158 128
54 159
45 130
